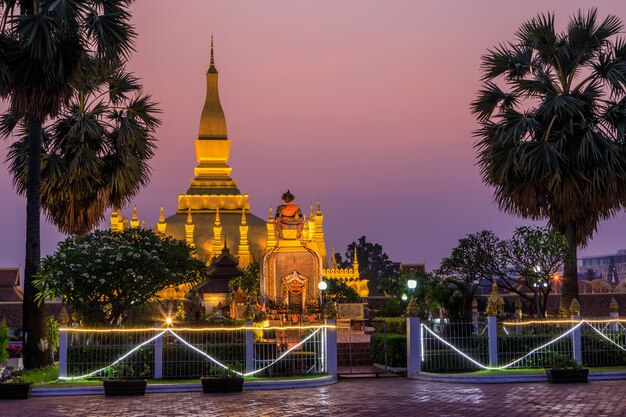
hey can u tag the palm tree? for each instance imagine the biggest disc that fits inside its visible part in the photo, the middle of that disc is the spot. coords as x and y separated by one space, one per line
95 153
43 44
552 111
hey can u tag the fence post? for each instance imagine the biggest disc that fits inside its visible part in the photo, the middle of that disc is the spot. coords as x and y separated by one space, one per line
249 347
492 333
614 325
413 346
62 351
158 357
331 347
577 351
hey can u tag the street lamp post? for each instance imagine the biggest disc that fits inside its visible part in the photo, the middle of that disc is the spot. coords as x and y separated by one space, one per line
412 284
322 287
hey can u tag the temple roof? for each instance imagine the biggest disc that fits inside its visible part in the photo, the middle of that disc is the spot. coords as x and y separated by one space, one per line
223 269
9 285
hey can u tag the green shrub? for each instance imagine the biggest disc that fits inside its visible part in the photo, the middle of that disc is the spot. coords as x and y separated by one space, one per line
396 349
394 325
4 341
392 308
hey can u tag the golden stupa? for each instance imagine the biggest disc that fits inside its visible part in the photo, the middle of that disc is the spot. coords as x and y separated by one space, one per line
213 211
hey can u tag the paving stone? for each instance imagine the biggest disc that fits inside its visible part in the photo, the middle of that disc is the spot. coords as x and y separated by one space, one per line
385 397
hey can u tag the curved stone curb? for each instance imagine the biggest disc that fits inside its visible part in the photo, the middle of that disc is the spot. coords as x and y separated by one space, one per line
506 379
165 388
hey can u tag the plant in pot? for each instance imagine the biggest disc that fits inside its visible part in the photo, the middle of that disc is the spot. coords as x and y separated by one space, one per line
223 380
566 369
12 387
125 380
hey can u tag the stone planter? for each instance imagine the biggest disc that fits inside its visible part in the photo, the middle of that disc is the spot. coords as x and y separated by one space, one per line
119 387
14 391
17 364
213 384
558 376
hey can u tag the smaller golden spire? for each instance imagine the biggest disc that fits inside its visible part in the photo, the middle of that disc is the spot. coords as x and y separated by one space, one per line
143 224
271 216
319 208
355 261
311 211
217 217
334 260
243 217
134 220
161 225
189 218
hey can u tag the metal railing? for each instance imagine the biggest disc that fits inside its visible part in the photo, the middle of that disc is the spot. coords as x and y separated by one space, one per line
194 352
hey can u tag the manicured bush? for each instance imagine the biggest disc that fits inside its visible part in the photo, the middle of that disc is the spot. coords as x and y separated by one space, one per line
4 341
394 325
396 349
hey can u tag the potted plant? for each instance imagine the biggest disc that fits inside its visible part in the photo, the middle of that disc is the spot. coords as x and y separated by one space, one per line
224 380
124 382
566 369
12 387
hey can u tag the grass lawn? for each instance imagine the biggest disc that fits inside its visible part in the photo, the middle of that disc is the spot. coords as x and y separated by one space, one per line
48 378
541 370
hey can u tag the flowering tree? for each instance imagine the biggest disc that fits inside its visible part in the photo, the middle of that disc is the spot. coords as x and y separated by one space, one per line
104 274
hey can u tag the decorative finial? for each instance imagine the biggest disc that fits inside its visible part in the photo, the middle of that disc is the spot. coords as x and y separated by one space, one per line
311 211
318 212
212 65
161 215
134 220
243 217
189 219
412 310
217 216
334 261
355 261
495 303
574 307
271 216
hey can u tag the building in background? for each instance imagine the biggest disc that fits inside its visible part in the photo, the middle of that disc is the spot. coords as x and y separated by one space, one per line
611 268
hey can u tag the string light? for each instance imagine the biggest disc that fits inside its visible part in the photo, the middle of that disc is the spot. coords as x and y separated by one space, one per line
525 323
195 329
317 330
495 368
130 352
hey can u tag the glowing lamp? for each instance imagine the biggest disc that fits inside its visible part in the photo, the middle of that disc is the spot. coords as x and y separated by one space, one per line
168 321
404 297
411 284
322 286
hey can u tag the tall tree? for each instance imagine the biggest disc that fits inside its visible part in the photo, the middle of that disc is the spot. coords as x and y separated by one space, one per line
374 264
95 153
552 111
43 44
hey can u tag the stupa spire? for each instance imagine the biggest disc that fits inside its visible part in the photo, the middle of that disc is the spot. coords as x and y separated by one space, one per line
212 64
161 225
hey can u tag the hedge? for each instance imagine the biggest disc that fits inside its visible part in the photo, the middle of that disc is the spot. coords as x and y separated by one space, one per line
395 325
396 349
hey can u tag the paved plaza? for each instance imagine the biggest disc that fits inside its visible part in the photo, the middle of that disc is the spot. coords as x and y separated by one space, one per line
385 397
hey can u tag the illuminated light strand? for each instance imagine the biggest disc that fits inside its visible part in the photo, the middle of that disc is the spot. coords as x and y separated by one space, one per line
247 373
130 352
454 348
525 323
542 346
607 338
195 329
493 368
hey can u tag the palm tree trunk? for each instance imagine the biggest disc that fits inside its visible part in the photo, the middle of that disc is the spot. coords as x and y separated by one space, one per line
570 267
36 349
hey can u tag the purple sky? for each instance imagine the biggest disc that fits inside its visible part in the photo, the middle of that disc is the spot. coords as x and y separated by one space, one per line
373 97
